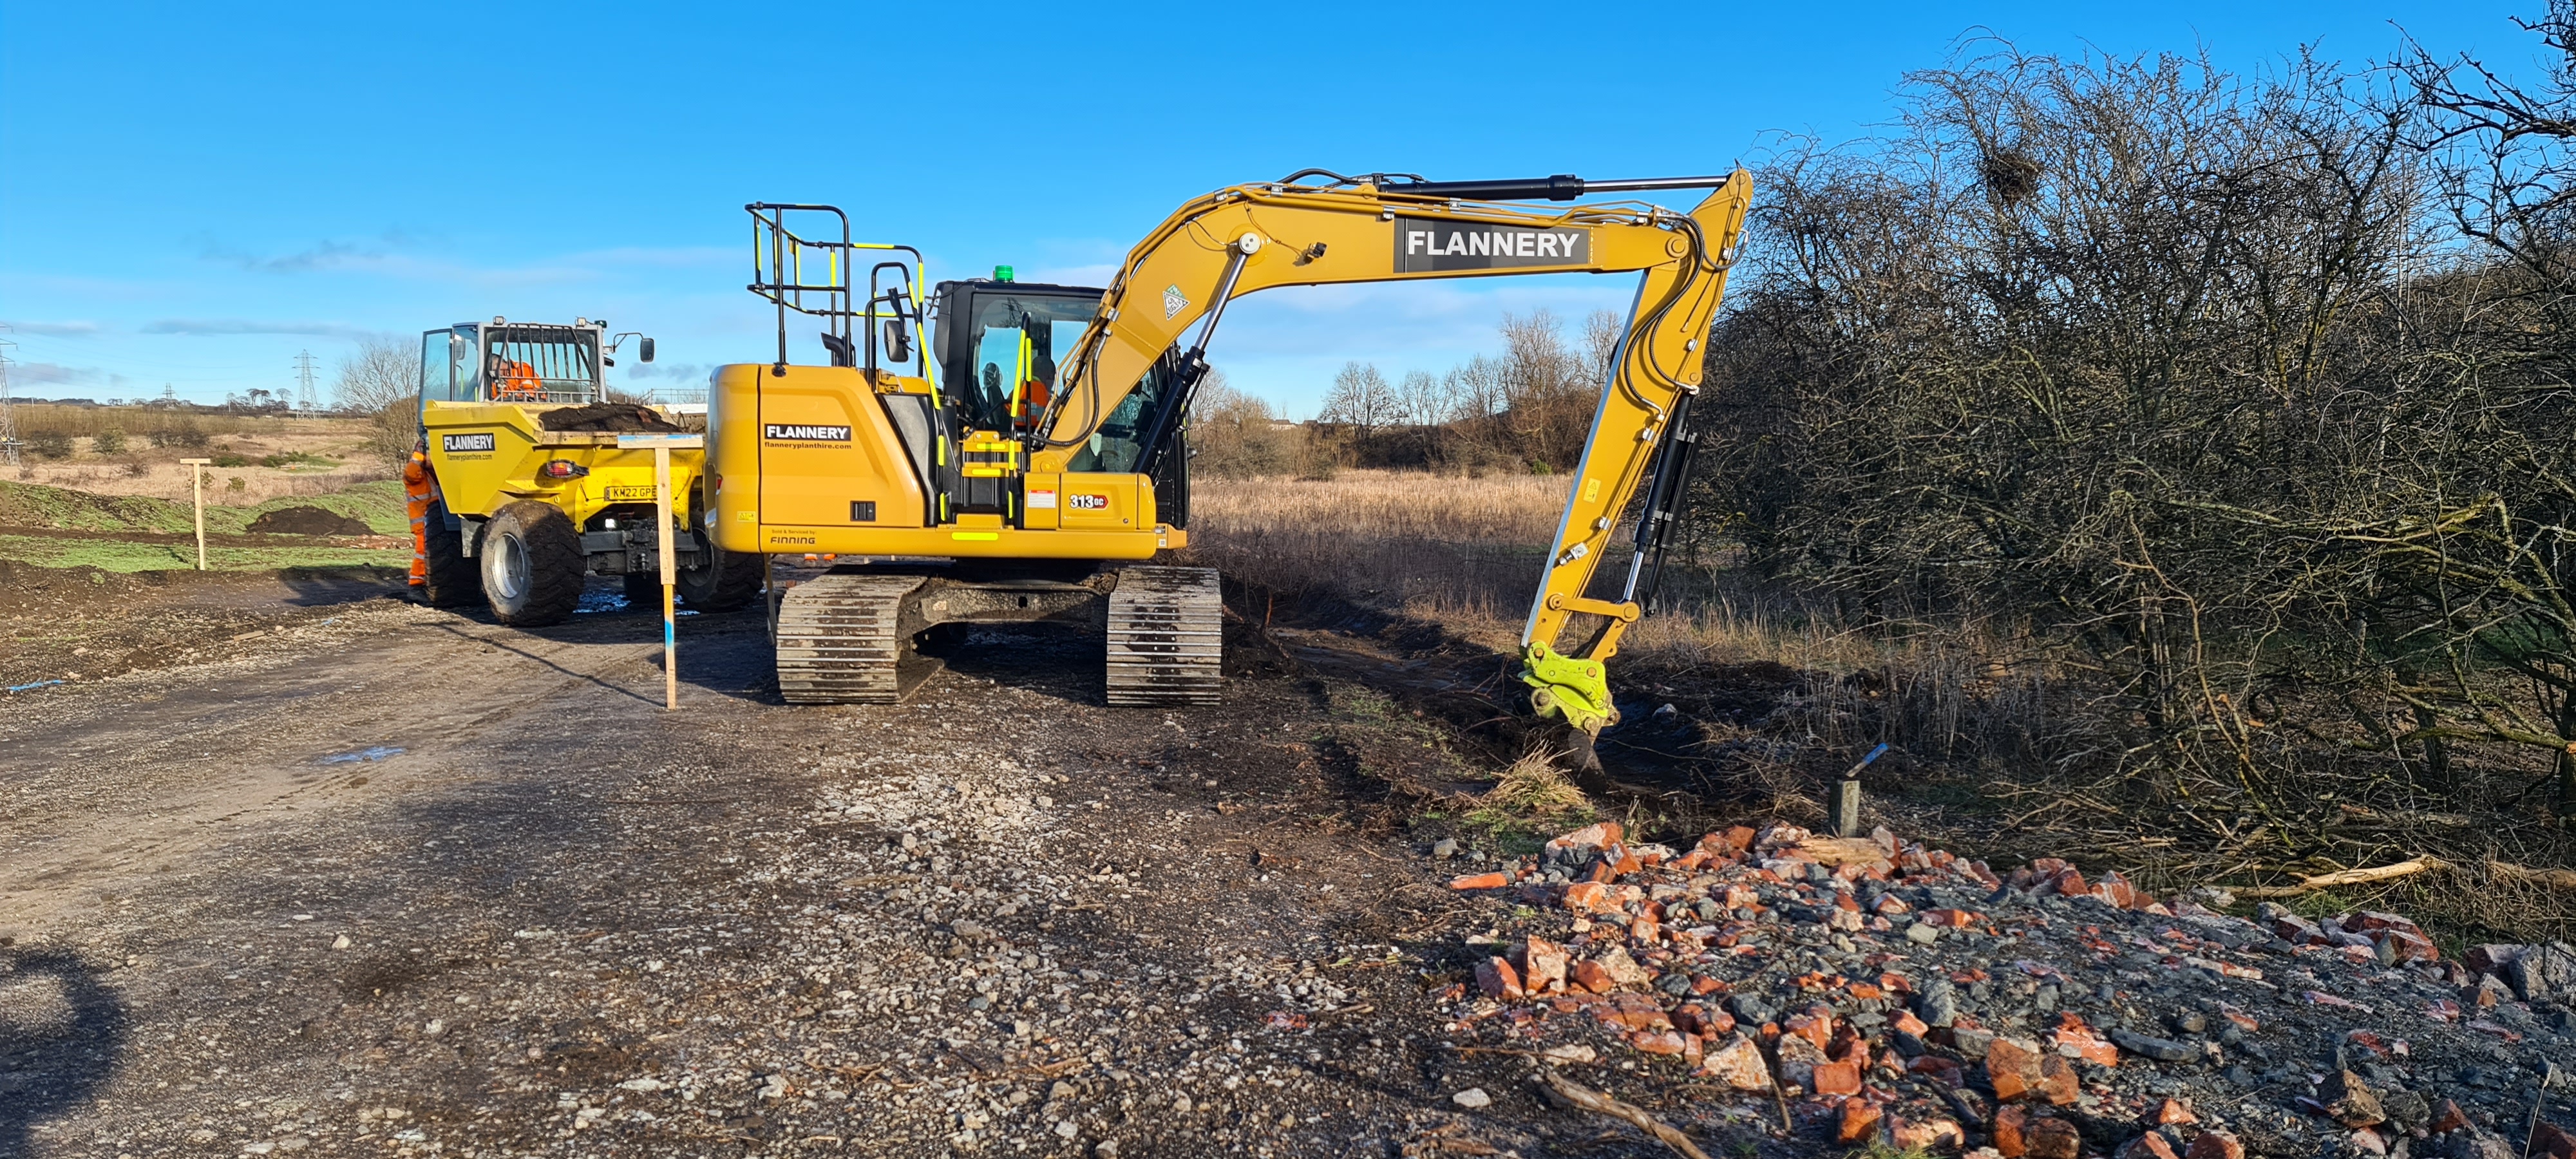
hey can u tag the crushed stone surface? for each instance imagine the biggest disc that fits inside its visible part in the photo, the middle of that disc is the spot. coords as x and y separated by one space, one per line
373 879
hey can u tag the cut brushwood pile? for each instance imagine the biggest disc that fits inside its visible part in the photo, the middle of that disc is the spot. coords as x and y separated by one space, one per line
1880 992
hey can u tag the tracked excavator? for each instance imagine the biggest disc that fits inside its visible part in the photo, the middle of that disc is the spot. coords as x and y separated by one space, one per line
999 451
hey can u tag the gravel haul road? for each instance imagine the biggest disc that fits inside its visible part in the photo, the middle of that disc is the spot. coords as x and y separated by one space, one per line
380 879
294 867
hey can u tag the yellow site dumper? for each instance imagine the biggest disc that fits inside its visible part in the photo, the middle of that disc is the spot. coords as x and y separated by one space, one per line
528 479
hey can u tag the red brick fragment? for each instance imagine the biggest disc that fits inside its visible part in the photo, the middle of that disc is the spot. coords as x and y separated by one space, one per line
1926 1135
2408 946
1542 965
1589 975
2548 1139
1837 1078
2009 1123
1859 1123
1738 1064
1594 836
1812 1027
1497 979
2057 1081
1592 897
2012 1070
2167 1112
2147 1146
1656 1041
1480 881
2052 1139
2076 1040
2447 1118
2215 1145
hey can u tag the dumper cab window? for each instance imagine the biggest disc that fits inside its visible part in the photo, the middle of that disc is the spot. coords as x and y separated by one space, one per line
540 364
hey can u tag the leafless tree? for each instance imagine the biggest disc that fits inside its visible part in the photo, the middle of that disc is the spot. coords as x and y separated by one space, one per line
380 379
1361 399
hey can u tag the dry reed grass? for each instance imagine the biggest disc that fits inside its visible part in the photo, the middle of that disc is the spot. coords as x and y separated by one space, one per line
144 469
1533 789
1467 553
83 422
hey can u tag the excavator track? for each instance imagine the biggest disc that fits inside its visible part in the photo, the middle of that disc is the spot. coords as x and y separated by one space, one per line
1166 636
839 641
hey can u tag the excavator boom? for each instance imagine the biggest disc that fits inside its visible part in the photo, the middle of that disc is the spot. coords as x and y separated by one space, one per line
1248 238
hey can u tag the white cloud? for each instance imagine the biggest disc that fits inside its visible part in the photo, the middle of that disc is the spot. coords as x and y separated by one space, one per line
55 372
219 326
54 329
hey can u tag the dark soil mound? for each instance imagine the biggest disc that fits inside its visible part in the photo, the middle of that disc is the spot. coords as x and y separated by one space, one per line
307 521
605 416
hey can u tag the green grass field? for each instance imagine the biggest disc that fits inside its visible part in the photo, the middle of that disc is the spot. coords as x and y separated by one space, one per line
27 505
124 555
379 504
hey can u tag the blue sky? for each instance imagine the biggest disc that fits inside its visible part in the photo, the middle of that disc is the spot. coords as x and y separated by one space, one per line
192 194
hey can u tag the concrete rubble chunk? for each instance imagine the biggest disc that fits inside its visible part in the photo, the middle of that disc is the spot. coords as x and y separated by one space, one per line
2350 1101
2159 1049
2543 972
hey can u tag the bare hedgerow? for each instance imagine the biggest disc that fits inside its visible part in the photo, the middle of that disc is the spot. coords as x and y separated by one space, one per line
2241 404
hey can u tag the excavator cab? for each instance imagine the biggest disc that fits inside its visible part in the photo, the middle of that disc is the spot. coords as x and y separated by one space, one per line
1001 341
918 455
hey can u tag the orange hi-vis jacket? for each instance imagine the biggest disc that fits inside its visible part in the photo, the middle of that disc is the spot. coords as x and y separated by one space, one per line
419 488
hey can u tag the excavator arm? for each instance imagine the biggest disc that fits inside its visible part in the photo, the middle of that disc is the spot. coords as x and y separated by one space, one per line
1246 238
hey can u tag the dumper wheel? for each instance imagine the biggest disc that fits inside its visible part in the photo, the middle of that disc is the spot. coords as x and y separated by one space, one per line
451 580
532 564
724 581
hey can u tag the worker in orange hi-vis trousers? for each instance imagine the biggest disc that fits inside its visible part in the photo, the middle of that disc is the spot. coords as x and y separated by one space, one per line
417 492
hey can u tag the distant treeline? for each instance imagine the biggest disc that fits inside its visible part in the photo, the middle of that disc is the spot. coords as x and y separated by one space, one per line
1525 409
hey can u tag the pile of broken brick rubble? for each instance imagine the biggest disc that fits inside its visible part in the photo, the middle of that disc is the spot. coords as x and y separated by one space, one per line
1873 990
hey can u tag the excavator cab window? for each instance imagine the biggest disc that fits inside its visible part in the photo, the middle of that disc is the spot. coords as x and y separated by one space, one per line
1002 361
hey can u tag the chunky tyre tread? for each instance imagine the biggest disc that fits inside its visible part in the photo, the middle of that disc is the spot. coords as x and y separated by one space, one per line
731 581
556 567
452 580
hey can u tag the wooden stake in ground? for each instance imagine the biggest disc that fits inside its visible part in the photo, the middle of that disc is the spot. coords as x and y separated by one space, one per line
197 473
662 445
670 575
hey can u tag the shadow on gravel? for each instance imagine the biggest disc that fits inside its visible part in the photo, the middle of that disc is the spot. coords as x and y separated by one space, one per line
323 586
502 643
62 1034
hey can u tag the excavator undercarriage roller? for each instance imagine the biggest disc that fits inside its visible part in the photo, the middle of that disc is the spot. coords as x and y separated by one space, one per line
848 637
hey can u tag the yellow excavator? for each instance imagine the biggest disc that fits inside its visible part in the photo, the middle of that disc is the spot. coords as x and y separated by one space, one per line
1005 451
